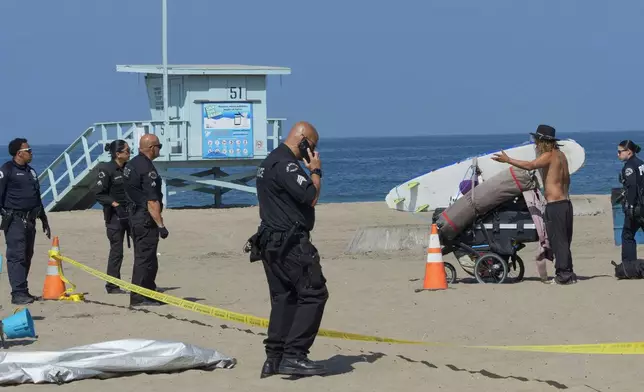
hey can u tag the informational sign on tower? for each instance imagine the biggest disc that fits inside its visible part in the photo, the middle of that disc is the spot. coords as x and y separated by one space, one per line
227 130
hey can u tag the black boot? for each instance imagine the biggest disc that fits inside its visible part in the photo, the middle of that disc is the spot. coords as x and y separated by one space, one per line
22 299
270 367
114 290
301 367
34 297
146 302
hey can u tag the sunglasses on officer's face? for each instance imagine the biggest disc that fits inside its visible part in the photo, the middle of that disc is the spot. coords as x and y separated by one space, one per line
25 150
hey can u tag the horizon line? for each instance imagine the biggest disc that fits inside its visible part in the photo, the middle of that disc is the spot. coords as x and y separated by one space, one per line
419 135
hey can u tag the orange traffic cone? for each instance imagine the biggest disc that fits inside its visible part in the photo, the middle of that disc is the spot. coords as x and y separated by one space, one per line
435 278
54 286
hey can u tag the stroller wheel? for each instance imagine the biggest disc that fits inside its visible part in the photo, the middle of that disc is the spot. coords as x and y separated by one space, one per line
450 273
490 268
516 268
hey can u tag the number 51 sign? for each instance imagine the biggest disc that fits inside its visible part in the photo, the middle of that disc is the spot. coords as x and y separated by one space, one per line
237 93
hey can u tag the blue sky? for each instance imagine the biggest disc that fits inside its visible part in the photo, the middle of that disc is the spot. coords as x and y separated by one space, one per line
359 68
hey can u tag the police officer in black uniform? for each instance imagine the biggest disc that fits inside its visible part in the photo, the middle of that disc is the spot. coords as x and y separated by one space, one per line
20 206
110 193
287 198
632 178
143 192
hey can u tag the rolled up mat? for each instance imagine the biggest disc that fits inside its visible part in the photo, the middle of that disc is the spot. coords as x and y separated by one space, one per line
456 217
483 199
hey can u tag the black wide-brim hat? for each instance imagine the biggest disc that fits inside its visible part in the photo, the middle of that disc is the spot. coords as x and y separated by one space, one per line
545 132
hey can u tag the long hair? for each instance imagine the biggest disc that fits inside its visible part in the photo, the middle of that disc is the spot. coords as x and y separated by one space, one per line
544 145
115 147
630 145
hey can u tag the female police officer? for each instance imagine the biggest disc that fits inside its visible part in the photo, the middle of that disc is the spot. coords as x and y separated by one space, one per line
632 177
110 193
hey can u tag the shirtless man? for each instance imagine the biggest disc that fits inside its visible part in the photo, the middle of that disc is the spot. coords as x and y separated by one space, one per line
553 165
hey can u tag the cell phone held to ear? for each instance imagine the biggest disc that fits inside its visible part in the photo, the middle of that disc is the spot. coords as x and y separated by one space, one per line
303 147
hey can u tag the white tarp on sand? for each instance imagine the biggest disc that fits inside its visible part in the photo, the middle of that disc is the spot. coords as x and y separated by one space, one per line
106 360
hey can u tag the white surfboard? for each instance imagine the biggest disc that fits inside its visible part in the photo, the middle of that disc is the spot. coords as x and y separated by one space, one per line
438 188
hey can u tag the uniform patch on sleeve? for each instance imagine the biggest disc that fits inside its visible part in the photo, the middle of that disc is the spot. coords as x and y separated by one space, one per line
101 174
628 171
292 167
300 179
1 174
153 175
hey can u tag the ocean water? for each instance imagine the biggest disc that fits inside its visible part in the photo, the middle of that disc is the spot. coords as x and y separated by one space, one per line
365 169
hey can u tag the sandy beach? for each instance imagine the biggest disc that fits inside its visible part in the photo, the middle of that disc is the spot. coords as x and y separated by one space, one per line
370 293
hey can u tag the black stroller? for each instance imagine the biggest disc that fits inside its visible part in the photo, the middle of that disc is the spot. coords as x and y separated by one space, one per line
488 250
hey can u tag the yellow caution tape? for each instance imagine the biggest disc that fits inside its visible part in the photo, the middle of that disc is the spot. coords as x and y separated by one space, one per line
67 295
628 348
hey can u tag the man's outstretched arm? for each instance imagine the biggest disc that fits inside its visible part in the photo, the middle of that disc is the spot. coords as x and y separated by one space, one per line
539 163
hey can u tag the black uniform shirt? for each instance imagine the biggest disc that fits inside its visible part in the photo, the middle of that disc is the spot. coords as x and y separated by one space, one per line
110 184
142 182
19 187
284 191
633 177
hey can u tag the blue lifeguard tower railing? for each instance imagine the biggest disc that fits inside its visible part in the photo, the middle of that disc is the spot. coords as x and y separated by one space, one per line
216 118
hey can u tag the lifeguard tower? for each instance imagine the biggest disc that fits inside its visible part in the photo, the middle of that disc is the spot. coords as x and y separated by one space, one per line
217 118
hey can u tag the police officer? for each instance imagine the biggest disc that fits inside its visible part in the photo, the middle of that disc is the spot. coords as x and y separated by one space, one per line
110 193
20 206
287 198
143 192
632 177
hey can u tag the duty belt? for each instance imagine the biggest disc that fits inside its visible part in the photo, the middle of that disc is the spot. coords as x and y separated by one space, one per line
28 217
265 234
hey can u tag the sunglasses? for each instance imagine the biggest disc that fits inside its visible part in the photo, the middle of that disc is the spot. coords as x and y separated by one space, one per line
25 150
620 151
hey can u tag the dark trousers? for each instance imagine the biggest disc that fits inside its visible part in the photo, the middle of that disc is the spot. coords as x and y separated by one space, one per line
19 238
559 217
298 295
115 234
629 247
145 235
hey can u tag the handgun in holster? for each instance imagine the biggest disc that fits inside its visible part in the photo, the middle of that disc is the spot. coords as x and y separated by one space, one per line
7 217
254 246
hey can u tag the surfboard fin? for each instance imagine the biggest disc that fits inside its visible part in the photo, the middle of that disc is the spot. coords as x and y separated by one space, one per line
412 184
399 200
424 207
